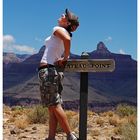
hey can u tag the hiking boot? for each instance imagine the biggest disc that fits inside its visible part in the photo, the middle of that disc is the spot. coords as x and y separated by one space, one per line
71 136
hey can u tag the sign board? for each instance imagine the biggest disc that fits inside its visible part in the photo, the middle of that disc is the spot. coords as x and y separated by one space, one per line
90 65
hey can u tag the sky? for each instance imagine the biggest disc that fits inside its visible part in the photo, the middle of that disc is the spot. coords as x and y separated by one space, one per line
26 24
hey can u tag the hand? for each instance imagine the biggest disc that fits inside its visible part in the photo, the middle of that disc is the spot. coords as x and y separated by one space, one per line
61 62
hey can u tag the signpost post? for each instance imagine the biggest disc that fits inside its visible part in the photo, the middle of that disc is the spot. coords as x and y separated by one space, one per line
83 102
85 65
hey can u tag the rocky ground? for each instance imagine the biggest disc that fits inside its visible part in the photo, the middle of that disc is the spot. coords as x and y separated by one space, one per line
100 126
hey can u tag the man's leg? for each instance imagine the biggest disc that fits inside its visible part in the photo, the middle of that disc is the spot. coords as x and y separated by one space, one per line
62 118
52 123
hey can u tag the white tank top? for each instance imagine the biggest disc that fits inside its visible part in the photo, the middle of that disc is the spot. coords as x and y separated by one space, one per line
54 47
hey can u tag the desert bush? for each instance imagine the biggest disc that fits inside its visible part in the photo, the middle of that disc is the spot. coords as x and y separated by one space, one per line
125 110
6 109
129 131
110 113
107 114
17 108
74 122
73 119
128 128
100 121
132 119
70 114
39 114
17 113
113 121
21 123
117 130
91 113
12 119
95 132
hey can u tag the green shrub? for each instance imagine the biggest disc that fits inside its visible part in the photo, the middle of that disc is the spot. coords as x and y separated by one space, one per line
125 110
17 108
39 114
129 131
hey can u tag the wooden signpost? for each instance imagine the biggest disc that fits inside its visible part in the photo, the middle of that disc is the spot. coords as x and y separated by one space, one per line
85 65
90 65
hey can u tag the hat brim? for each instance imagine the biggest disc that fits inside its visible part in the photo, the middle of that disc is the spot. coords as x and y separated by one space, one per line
73 19
68 14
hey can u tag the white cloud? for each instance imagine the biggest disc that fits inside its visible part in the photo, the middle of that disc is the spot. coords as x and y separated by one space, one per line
122 51
8 39
108 39
24 48
38 39
9 45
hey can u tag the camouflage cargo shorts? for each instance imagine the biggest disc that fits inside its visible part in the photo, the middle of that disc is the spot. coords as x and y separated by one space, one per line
50 86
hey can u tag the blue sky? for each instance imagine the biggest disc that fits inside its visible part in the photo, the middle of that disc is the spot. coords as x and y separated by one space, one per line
26 24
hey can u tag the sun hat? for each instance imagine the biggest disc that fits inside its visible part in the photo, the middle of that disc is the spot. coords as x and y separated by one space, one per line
72 18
